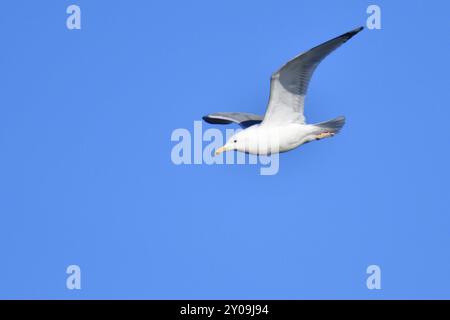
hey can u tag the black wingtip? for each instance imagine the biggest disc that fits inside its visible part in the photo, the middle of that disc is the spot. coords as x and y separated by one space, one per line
355 31
211 120
347 36
207 119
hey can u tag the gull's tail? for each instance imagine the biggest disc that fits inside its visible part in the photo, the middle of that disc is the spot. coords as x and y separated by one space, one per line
332 126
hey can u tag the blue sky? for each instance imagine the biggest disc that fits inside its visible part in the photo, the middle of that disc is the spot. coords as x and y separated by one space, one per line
86 176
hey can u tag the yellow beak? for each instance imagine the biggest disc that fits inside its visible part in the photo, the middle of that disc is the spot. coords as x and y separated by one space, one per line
220 150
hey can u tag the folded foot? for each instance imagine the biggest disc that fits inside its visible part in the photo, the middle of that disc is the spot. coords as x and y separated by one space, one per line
324 135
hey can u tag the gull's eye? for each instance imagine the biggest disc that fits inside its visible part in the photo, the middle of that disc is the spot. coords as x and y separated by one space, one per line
235 141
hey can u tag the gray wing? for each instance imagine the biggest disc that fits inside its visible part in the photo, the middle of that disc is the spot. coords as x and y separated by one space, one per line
245 120
288 86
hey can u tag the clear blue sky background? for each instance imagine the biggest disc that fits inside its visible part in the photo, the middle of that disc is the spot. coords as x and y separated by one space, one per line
86 176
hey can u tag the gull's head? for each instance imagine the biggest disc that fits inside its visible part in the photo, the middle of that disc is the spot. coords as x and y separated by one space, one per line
236 142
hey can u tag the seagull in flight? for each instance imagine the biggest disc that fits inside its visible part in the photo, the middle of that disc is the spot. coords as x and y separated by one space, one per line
283 127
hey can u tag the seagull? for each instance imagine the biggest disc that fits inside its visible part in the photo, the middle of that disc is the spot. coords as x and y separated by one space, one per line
283 127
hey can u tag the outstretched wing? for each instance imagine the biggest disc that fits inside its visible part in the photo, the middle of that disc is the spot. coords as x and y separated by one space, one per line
245 120
288 86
